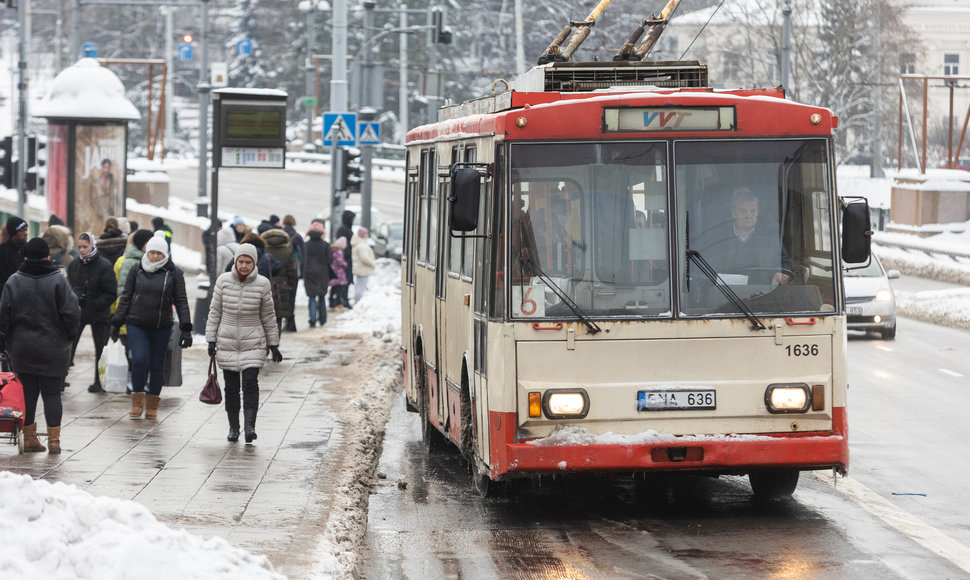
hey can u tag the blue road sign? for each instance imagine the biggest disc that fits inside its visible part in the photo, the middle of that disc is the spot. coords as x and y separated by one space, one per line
244 47
185 52
89 49
340 128
369 134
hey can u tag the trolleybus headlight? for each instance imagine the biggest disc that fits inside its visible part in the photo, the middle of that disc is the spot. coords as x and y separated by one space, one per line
565 403
788 398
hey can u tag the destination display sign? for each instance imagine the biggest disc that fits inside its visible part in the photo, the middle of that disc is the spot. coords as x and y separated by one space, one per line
666 119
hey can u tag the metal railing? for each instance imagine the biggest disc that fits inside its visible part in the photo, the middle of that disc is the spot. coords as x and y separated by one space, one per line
324 159
923 246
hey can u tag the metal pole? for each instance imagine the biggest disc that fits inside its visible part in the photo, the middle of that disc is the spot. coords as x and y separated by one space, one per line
875 166
364 98
22 115
366 114
76 33
785 44
310 68
203 110
402 94
338 79
169 76
519 37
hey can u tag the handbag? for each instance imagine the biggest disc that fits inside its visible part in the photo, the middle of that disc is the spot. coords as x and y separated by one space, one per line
211 393
115 368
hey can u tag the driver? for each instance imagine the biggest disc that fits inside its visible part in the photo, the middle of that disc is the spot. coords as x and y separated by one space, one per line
746 247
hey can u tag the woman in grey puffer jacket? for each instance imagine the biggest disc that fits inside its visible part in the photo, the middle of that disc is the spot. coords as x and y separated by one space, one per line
241 326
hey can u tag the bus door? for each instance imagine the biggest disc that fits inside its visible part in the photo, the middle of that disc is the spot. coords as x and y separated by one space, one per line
443 331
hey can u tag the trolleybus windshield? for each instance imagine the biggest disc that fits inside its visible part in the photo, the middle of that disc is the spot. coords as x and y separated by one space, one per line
604 224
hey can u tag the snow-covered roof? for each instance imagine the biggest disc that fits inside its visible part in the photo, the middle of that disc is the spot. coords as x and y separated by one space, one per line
248 91
87 90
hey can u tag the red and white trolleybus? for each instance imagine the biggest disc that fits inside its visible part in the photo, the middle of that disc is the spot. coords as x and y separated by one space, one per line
604 276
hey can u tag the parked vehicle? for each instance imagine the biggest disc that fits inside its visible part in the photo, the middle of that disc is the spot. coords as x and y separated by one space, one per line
869 300
388 237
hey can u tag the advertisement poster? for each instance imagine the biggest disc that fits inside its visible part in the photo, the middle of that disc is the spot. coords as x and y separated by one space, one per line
99 169
57 171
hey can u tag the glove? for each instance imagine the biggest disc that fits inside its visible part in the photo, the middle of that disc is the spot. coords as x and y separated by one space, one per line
115 333
212 349
185 341
277 357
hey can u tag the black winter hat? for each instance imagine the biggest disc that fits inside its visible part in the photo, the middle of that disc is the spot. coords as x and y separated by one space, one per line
15 224
141 238
37 249
158 222
274 219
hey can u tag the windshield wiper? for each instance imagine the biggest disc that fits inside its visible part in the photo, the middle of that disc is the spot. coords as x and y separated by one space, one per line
591 326
721 285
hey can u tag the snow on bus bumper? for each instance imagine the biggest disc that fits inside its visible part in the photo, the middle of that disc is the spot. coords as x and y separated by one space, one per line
657 452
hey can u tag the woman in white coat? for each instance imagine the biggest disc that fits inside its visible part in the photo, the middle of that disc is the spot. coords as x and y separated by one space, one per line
241 326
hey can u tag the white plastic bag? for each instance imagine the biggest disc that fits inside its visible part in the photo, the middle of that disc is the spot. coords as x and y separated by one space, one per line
115 369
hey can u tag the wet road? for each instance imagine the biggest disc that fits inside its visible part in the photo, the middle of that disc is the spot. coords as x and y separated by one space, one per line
906 435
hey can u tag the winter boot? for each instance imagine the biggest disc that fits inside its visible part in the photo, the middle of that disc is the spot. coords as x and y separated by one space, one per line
249 417
151 406
31 442
53 440
137 404
233 425
290 325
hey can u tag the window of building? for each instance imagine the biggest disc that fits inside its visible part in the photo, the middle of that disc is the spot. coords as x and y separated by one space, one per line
907 63
951 64
732 66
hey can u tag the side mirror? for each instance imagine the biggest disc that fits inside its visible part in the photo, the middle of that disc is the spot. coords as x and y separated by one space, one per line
856 231
466 189
892 274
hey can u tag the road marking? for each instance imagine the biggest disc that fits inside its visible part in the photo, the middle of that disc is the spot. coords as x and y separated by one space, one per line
885 348
909 525
951 373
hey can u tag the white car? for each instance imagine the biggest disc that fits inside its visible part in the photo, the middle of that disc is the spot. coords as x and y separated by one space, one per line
869 300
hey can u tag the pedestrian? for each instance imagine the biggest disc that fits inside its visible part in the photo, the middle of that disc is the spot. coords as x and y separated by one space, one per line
267 224
159 225
152 287
123 265
363 260
266 264
297 241
338 282
239 228
39 318
278 245
61 243
12 250
240 328
112 241
316 273
346 232
93 281
226 245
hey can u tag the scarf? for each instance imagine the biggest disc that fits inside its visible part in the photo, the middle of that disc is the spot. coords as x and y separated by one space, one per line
94 248
149 266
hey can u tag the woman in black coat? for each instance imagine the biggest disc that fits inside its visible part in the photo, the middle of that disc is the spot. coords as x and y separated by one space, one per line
39 318
153 286
316 273
92 278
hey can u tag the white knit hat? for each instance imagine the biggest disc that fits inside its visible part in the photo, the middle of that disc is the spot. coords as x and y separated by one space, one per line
157 243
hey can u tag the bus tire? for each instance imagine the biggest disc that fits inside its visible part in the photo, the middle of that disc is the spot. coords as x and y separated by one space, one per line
480 479
773 483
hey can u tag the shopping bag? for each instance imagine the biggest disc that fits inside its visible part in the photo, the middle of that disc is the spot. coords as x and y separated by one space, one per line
172 377
211 393
116 368
11 402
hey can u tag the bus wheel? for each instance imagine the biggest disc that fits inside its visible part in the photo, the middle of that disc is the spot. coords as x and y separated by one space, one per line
483 483
773 483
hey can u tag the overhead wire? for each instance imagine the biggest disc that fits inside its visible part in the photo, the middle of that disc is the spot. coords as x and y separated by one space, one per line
699 32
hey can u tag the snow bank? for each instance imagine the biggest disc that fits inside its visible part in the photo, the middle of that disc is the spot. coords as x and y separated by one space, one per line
57 531
379 311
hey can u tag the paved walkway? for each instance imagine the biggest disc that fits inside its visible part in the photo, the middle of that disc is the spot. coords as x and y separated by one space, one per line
272 497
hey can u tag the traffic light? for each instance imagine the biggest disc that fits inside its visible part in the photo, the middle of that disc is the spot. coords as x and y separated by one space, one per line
6 162
438 33
351 173
30 177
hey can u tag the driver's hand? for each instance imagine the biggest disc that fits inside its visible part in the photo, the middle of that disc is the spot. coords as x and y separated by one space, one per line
780 278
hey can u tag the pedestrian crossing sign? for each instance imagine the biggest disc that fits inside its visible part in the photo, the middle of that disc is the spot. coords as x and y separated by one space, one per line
339 129
369 134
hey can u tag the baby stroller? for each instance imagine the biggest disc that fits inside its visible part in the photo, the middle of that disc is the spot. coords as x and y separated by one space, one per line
12 406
